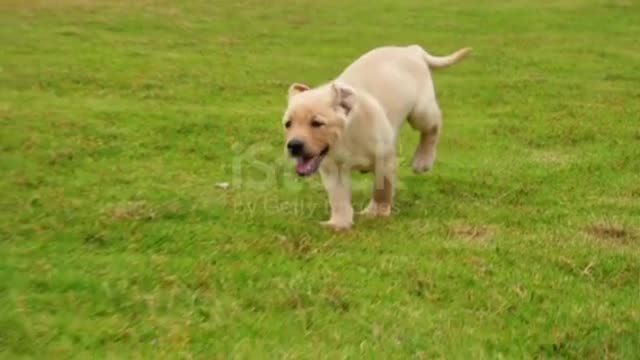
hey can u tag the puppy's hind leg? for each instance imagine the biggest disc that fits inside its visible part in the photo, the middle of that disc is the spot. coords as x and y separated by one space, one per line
426 117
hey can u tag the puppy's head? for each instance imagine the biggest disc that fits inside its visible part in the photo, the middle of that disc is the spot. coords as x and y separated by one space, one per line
314 120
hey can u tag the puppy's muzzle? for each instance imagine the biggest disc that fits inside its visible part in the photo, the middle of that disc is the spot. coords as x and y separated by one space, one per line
295 147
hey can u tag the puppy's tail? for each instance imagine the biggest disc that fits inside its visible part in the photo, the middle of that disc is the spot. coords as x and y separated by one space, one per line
438 62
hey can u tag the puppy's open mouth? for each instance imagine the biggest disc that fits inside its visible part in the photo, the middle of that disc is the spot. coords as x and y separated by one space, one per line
307 165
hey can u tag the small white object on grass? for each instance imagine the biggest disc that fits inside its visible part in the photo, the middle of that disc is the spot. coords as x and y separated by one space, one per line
222 185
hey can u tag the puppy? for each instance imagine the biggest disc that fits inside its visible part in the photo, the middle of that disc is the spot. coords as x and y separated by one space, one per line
353 122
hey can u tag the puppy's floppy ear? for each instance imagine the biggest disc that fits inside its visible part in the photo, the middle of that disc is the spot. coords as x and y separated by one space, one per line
296 89
344 96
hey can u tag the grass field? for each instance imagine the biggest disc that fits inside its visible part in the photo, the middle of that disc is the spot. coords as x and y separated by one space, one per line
118 119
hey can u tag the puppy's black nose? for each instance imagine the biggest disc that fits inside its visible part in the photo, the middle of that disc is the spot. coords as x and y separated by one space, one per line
296 147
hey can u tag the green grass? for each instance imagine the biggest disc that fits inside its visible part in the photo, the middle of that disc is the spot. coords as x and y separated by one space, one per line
117 121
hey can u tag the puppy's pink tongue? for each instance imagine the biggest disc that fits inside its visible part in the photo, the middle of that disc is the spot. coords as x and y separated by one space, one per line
303 166
307 166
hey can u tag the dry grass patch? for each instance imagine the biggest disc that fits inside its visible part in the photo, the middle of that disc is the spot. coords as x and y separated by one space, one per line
475 233
552 157
611 232
137 210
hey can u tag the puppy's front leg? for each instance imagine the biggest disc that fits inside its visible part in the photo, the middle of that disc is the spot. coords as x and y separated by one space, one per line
383 187
337 182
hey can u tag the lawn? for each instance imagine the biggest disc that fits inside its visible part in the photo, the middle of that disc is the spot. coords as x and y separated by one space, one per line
120 119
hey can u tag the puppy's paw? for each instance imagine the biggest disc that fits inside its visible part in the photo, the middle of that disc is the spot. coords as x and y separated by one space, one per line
337 225
423 162
375 209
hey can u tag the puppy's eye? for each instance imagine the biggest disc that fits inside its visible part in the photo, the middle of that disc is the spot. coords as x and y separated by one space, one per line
287 124
316 124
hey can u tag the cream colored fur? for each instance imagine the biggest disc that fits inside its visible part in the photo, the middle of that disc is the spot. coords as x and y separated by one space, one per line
361 113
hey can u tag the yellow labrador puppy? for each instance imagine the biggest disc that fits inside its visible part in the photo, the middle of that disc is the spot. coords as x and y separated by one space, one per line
353 122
